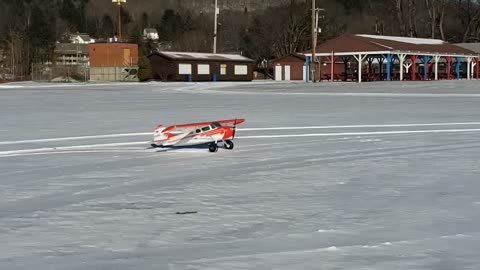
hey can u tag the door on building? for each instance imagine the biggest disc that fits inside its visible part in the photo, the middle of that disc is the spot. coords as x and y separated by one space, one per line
304 77
278 73
287 73
127 61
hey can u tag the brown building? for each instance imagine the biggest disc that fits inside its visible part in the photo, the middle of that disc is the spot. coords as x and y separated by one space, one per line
183 66
113 61
292 68
289 68
113 54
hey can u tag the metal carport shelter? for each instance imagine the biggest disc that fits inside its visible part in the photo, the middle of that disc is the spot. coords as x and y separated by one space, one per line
401 51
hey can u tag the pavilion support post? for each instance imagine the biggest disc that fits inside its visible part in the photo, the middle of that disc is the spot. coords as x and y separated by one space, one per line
437 59
359 68
449 67
414 67
407 66
307 68
472 71
469 67
332 60
457 68
318 69
401 58
426 59
345 60
477 63
360 59
332 68
389 66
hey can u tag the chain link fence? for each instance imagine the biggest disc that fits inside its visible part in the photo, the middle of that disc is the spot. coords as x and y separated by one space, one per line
60 73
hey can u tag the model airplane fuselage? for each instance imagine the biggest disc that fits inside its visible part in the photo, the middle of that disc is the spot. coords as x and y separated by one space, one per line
210 133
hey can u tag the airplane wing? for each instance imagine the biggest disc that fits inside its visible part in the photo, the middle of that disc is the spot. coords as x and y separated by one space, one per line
231 122
194 125
180 137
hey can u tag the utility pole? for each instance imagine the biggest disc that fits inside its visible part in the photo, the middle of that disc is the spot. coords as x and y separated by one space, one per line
217 11
119 3
314 40
315 30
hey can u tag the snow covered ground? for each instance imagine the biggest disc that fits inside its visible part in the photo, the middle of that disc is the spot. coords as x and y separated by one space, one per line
376 176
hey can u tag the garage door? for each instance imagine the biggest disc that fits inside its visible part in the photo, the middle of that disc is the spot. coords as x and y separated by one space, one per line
287 73
278 73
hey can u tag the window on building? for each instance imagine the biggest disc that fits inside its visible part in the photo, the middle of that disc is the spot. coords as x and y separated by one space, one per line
203 69
184 69
241 70
223 69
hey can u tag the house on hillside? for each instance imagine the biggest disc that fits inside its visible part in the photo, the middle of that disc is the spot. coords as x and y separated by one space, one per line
150 33
81 38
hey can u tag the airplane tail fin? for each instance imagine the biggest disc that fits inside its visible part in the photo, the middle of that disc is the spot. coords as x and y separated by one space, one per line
158 134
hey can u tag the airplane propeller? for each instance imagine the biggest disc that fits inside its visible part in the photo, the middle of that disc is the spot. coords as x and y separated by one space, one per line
234 128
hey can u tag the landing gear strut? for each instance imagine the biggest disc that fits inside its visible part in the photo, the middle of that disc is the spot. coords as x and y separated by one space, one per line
213 147
228 144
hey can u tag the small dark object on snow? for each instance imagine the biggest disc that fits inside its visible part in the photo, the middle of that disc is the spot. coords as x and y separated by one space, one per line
186 213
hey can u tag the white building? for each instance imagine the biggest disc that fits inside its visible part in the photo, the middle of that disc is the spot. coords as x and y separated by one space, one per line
71 54
150 33
81 38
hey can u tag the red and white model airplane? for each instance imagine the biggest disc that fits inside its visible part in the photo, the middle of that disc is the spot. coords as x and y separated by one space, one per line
210 133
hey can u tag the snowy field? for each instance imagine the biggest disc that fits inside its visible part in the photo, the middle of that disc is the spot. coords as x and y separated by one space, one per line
326 176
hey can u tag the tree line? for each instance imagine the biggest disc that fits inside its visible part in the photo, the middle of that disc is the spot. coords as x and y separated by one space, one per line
29 29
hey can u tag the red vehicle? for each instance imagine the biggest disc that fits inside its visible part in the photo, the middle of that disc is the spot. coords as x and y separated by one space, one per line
210 133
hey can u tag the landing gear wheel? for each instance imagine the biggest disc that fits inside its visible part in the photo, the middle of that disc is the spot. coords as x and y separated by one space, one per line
213 148
228 144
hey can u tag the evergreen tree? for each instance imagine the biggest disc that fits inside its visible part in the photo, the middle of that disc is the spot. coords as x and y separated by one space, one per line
144 69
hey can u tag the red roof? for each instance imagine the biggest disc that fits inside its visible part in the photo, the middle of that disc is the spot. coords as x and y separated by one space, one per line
297 56
349 43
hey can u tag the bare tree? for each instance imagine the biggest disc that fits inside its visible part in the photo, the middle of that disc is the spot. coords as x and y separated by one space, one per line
289 37
470 11
432 13
399 9
436 13
441 18
412 18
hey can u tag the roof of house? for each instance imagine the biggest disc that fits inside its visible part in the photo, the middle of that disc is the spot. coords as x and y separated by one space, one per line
298 56
71 48
475 47
84 36
150 30
188 56
350 43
